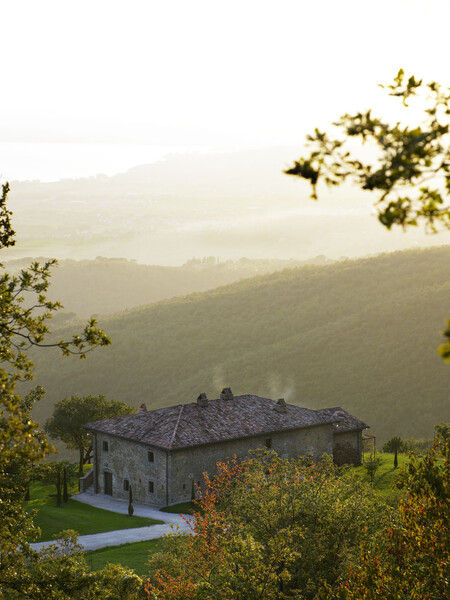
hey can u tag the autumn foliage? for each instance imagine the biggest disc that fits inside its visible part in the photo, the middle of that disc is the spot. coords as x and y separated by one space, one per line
267 528
276 529
410 558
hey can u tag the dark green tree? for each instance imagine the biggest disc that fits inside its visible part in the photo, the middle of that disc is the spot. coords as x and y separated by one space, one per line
55 473
65 491
411 176
71 415
394 445
372 465
130 502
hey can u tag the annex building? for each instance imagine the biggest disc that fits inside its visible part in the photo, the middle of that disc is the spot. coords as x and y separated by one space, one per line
163 453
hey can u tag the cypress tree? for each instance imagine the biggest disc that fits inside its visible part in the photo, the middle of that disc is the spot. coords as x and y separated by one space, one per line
394 445
130 502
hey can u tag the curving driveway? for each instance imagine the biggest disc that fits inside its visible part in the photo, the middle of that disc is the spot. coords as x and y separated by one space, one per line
172 522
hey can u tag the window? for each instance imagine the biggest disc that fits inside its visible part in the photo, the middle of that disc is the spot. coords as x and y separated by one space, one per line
151 487
269 443
126 485
150 457
105 446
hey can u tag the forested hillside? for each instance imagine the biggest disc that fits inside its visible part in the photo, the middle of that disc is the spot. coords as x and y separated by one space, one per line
109 285
362 334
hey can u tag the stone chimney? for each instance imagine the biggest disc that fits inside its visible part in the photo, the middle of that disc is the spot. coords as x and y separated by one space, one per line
202 400
280 406
142 408
226 394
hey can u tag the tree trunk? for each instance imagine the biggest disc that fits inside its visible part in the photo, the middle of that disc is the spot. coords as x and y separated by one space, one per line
65 493
80 468
130 503
88 455
58 489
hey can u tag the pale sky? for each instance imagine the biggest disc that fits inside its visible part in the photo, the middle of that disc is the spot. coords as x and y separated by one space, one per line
206 73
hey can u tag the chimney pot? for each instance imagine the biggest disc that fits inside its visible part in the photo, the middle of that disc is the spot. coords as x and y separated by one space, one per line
202 400
226 394
280 406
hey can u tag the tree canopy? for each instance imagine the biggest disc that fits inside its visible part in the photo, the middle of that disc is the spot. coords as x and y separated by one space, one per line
71 415
412 172
268 528
410 557
277 529
394 445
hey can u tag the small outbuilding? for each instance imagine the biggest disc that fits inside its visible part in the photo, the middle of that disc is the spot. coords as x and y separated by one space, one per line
163 453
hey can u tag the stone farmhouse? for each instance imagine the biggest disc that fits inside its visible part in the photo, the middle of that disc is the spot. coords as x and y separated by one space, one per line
163 453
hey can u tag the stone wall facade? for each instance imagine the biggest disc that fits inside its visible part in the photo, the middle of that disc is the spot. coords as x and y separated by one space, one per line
130 461
347 448
161 477
188 465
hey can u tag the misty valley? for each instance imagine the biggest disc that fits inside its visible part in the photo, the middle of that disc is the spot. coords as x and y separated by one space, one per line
227 205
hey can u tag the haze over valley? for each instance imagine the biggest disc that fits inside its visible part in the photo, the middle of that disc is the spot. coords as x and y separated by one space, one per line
227 205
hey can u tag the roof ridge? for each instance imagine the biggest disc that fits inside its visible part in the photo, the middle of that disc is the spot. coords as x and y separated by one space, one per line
176 426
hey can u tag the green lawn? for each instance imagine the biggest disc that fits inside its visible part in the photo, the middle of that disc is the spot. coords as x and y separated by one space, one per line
185 508
75 515
134 556
385 475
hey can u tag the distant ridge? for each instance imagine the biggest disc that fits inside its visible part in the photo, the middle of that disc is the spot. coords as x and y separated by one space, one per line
110 285
229 205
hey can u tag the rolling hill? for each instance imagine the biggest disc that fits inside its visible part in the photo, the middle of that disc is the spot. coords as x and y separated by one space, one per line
362 334
109 285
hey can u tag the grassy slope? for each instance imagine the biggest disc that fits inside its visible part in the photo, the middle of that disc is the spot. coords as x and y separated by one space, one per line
75 515
133 556
385 476
361 334
185 508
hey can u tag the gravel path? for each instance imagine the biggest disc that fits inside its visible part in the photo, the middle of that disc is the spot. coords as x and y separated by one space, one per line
172 522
